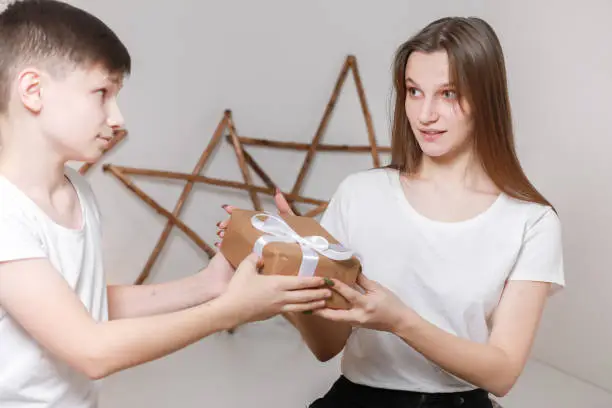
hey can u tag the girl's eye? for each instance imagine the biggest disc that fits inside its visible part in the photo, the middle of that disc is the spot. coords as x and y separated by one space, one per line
412 91
449 94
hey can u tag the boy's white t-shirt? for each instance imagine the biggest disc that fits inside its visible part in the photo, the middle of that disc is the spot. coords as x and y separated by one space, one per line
451 273
29 375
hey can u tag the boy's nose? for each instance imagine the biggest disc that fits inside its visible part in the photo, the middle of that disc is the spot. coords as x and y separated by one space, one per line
115 118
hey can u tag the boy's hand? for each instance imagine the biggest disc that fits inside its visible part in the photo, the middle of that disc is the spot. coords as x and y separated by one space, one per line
252 297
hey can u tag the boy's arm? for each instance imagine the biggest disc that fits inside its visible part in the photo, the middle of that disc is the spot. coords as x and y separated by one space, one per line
37 297
128 301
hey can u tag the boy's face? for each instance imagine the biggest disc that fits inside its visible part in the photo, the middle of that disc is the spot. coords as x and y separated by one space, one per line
79 112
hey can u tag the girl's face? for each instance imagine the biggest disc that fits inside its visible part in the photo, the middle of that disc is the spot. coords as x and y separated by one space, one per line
440 121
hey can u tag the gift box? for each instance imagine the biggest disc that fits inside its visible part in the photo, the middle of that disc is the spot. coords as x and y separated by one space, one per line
290 245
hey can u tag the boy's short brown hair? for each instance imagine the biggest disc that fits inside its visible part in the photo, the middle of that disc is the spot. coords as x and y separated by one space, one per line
55 36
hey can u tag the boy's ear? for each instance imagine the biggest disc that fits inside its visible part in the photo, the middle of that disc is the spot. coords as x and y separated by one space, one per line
30 90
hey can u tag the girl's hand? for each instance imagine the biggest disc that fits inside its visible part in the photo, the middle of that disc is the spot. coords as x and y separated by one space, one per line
376 307
281 205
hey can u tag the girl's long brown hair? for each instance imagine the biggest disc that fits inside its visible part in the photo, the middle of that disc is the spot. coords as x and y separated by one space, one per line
477 69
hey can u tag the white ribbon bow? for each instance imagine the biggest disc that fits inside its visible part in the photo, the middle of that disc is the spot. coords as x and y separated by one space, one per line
277 230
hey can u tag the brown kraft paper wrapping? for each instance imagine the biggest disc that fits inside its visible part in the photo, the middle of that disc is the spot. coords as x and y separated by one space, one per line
284 258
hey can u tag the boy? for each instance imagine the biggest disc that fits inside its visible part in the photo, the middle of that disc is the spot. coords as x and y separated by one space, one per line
60 326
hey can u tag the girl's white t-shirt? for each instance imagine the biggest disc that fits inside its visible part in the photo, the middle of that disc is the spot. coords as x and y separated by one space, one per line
29 375
451 273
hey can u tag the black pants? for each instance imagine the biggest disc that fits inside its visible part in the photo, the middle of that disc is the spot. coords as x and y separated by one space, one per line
346 394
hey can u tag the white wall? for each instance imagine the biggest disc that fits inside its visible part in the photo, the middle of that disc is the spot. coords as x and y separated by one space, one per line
274 63
542 386
560 68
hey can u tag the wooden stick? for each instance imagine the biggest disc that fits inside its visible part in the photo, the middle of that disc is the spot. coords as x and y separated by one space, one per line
366 110
117 138
258 170
317 210
266 179
322 126
115 171
182 198
250 141
212 181
246 175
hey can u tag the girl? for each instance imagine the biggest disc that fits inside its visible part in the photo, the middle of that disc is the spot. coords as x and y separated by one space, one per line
459 250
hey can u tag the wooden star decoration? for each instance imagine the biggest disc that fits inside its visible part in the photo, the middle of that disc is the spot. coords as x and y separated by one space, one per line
246 163
123 174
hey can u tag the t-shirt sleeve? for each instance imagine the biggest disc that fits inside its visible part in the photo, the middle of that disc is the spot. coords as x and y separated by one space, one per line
541 256
17 241
334 217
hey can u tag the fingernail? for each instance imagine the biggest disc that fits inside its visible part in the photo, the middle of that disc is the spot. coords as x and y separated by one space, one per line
223 206
217 244
307 312
219 224
277 191
328 282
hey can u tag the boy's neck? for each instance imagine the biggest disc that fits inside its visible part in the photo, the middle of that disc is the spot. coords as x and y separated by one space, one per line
28 162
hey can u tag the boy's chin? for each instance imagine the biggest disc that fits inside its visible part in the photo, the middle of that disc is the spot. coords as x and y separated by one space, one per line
87 157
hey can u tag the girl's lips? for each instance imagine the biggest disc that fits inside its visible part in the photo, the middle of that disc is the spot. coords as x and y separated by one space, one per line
431 135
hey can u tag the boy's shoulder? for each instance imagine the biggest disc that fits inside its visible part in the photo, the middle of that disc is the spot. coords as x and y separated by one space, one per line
18 216
13 202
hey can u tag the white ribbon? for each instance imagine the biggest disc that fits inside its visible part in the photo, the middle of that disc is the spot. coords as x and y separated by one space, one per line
275 229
